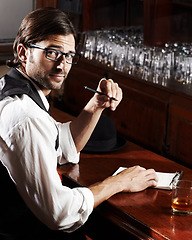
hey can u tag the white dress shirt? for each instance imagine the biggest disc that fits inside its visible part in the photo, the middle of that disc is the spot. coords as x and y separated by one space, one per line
27 149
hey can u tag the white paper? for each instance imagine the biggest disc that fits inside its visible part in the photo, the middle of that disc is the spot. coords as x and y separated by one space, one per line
164 182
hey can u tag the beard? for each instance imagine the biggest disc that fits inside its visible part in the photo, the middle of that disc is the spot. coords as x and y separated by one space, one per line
43 79
46 83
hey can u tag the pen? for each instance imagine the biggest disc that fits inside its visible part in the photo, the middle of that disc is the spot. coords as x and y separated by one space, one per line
100 93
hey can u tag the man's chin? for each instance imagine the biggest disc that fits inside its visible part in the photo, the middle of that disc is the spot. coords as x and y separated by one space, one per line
55 84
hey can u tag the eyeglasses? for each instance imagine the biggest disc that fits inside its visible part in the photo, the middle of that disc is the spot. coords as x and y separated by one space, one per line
57 55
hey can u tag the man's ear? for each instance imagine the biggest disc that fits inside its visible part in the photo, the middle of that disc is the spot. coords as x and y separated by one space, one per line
22 52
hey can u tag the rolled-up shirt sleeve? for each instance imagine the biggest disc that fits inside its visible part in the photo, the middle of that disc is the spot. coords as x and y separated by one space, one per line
31 160
67 145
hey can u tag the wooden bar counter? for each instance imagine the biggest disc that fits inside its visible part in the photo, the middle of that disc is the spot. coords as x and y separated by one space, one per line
142 215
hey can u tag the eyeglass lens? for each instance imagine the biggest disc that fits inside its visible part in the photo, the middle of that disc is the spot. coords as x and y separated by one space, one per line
55 55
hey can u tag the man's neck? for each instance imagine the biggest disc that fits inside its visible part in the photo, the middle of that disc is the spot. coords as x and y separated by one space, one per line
39 90
46 92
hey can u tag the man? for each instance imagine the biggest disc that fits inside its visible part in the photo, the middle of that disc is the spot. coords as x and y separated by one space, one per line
32 143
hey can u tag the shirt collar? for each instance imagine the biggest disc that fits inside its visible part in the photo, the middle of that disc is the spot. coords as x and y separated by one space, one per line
42 96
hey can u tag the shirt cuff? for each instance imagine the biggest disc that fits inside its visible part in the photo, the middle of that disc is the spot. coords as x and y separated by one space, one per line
88 203
67 144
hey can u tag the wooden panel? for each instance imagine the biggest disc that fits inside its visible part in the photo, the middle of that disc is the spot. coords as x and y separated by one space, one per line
99 14
157 21
46 3
87 13
142 118
181 21
180 131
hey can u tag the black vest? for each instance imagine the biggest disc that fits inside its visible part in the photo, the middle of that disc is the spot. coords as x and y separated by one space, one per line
17 84
17 222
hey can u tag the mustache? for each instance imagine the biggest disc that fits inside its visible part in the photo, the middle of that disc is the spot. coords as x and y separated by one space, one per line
59 72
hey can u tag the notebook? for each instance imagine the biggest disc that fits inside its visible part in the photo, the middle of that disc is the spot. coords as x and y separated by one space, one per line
165 179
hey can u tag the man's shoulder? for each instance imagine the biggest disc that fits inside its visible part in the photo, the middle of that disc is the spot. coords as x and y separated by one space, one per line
19 113
12 83
19 108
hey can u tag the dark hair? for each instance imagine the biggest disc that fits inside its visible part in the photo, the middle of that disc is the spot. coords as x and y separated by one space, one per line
38 25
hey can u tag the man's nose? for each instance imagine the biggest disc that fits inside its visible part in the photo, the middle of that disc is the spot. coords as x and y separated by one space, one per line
62 64
62 61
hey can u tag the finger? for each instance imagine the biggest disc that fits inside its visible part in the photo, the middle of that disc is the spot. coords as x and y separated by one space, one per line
119 94
116 93
103 87
112 88
104 100
107 87
152 173
151 177
152 183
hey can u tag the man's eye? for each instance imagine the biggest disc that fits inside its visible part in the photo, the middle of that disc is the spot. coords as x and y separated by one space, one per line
70 55
52 53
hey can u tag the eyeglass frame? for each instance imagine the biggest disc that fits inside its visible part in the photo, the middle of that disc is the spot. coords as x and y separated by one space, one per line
30 45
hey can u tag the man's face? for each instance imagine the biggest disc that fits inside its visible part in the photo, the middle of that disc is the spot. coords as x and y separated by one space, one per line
49 74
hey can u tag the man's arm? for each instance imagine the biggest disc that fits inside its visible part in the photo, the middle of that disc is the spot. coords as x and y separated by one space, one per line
133 179
83 126
130 180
